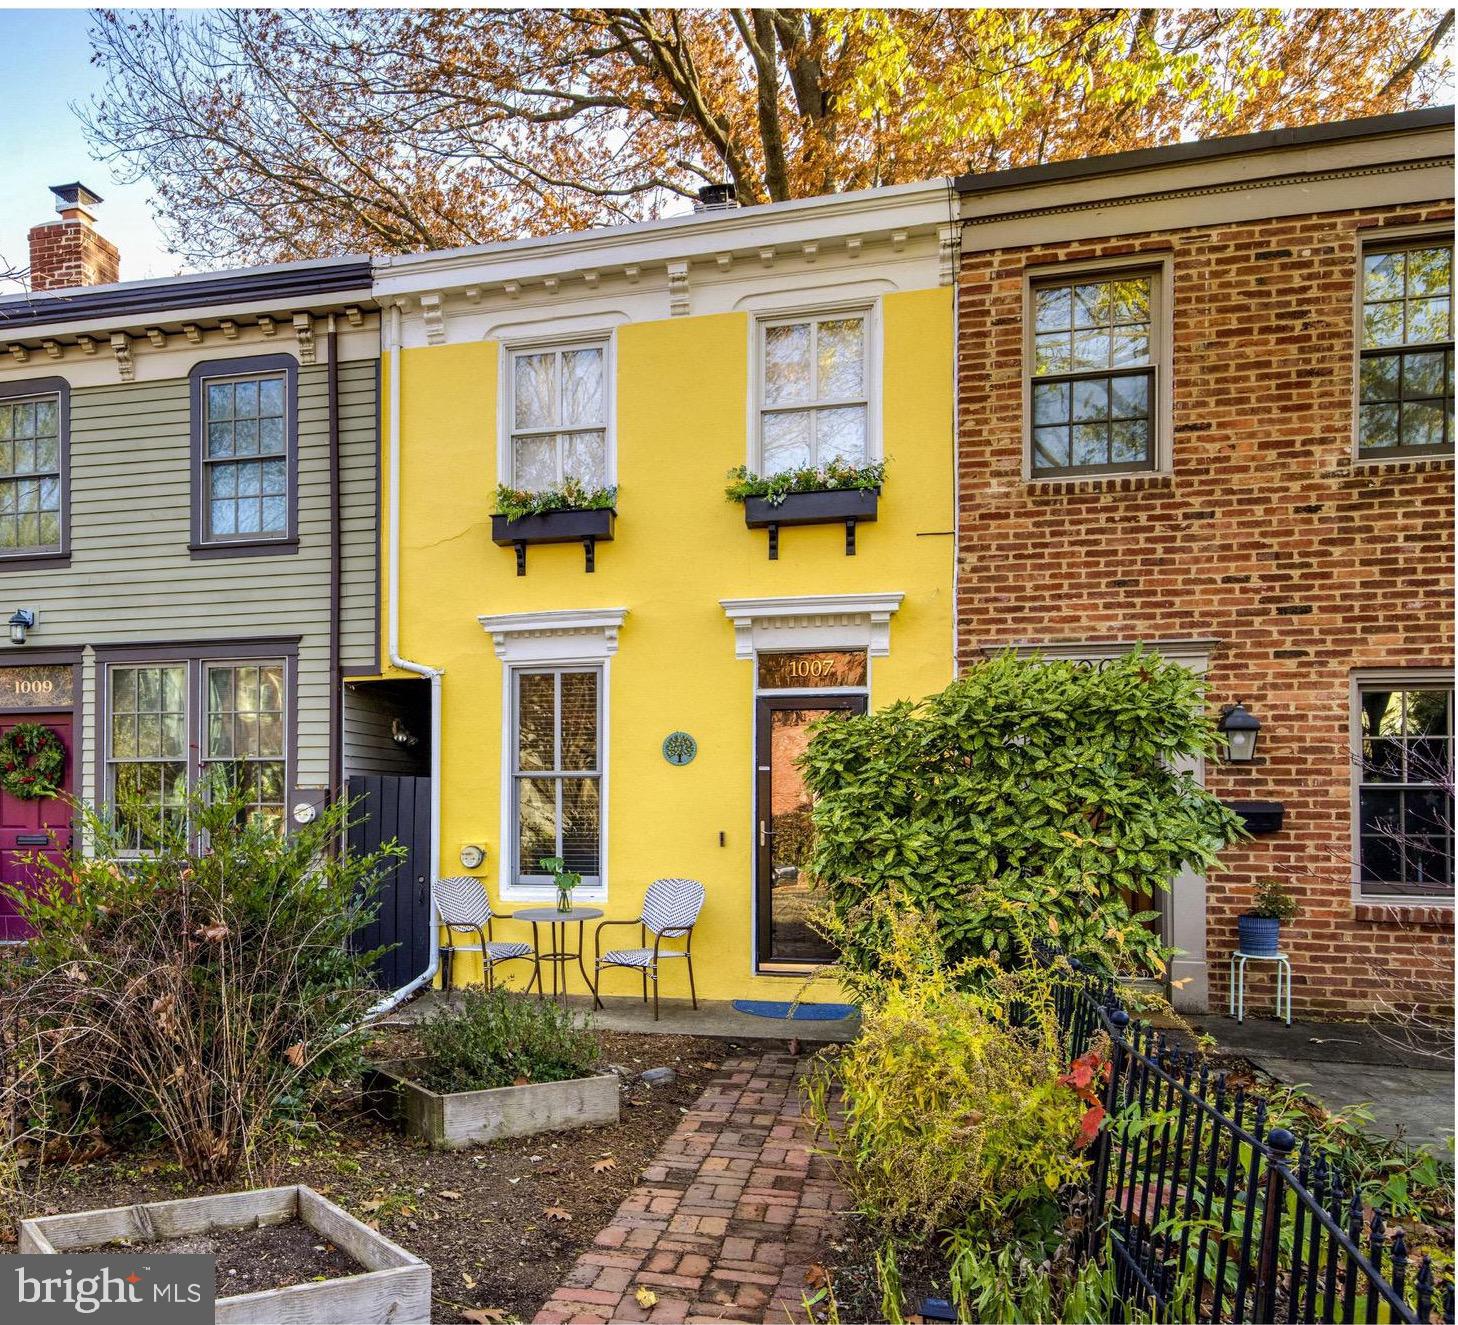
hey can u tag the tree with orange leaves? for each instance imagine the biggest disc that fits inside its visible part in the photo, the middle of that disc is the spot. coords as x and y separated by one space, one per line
271 134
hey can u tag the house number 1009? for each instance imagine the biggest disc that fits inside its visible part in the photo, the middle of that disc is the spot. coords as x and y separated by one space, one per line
23 687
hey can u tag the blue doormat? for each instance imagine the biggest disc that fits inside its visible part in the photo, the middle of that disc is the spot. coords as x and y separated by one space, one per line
792 1012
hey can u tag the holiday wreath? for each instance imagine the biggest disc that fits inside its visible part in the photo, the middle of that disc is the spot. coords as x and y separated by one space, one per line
31 760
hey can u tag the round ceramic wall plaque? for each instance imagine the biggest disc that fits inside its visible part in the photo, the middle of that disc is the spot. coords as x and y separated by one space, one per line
679 748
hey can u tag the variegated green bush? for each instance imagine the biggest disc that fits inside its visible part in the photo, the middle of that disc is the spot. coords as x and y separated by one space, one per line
1036 790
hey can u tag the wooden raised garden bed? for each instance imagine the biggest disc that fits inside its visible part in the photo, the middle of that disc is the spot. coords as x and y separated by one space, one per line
586 527
475 1117
849 505
393 1285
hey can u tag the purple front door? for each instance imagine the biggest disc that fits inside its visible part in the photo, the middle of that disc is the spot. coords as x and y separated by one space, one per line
31 827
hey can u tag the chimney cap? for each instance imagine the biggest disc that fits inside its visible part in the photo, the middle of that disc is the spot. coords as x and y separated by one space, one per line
73 195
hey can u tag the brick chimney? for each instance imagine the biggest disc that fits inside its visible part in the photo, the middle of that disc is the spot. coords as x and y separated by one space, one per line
71 251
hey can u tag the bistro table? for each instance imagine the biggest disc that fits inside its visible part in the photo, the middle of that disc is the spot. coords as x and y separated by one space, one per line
559 956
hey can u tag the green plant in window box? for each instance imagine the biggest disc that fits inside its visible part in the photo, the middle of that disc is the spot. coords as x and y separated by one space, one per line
838 475
570 495
565 879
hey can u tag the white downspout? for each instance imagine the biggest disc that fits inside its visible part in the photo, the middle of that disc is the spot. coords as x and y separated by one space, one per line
432 674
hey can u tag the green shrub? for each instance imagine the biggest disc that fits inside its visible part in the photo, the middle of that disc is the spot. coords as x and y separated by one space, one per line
501 1039
1275 901
1035 789
954 1113
213 986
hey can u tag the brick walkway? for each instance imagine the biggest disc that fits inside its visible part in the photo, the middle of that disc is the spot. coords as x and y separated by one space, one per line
726 1220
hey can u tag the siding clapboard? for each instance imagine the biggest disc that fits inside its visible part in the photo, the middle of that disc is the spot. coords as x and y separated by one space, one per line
132 578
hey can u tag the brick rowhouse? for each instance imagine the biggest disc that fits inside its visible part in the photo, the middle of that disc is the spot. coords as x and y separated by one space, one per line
71 251
1260 542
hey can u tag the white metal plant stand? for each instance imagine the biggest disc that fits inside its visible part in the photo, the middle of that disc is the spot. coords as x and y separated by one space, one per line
1237 985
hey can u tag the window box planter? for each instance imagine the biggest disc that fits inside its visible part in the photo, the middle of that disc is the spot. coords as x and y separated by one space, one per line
394 1286
849 505
586 527
474 1117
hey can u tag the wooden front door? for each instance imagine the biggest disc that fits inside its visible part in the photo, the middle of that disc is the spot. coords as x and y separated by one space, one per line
785 894
32 827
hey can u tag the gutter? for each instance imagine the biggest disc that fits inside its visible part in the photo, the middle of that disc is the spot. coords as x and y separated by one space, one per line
336 557
433 674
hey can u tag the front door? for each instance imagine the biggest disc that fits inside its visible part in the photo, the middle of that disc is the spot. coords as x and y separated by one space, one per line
785 896
32 827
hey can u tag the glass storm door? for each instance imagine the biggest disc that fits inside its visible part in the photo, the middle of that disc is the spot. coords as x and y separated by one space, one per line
785 896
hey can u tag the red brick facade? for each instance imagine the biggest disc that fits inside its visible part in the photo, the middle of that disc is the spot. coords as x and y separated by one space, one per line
1266 537
71 252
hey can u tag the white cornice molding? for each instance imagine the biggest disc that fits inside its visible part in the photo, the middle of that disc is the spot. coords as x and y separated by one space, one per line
750 232
845 621
581 635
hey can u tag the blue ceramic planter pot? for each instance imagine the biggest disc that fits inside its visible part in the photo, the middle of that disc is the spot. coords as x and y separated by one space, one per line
1260 936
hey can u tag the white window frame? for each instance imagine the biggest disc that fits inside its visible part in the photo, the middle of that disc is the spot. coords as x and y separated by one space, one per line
1160 266
1399 678
591 885
540 641
1411 236
606 341
870 309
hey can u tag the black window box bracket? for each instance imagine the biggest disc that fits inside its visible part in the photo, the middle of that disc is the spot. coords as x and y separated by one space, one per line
849 505
586 527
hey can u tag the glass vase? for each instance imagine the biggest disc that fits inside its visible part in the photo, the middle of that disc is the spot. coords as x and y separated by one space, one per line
564 900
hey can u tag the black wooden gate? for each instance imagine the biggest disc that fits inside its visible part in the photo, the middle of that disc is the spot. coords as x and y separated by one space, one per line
396 809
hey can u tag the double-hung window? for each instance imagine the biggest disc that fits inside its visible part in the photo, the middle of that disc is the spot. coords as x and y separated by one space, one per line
1405 378
558 416
557 772
32 477
245 463
1093 390
169 723
814 386
1404 766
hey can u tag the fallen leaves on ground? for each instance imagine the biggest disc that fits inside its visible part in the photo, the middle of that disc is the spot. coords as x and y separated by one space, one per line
558 1213
816 1276
448 1195
484 1315
604 1164
646 1297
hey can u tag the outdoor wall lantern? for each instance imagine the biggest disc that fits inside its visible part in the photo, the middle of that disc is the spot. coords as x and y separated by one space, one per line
1240 729
23 620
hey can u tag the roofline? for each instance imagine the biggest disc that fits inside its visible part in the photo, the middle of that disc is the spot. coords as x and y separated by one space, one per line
289 282
1208 149
687 235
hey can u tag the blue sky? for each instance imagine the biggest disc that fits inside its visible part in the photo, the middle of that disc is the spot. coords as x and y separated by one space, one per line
44 66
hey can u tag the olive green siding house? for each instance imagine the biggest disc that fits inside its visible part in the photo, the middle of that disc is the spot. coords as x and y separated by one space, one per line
189 511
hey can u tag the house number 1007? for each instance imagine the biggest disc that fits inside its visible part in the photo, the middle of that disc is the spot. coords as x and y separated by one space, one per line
814 668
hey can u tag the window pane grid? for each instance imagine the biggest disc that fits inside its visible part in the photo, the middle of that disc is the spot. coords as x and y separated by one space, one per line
814 392
147 749
557 772
1093 381
558 416
1405 791
30 473
245 457
245 732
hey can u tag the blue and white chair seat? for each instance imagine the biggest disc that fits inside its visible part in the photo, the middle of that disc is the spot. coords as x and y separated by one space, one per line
637 956
670 910
463 908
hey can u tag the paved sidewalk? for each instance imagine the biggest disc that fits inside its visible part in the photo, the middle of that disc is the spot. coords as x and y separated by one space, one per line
727 1219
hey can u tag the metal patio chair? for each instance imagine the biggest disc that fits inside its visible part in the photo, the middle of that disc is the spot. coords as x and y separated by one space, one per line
462 904
670 910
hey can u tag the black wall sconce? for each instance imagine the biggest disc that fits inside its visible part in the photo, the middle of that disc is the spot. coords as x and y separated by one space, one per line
23 620
1240 729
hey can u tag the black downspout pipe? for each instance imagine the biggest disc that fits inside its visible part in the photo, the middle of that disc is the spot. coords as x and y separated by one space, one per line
336 687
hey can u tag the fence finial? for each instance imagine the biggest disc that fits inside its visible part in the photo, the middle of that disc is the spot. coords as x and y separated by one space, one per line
1282 1143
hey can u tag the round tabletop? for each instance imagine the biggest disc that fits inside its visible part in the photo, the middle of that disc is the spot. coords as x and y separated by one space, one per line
550 913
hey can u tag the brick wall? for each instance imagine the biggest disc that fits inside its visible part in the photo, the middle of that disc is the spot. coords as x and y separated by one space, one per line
1265 537
68 253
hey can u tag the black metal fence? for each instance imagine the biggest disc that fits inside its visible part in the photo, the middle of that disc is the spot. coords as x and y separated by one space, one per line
1211 1214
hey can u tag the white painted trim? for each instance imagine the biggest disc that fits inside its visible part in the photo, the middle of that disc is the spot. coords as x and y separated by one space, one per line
607 340
507 886
587 635
1191 653
814 621
805 311
747 231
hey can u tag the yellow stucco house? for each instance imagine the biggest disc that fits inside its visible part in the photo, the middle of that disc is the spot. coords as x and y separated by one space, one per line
632 698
